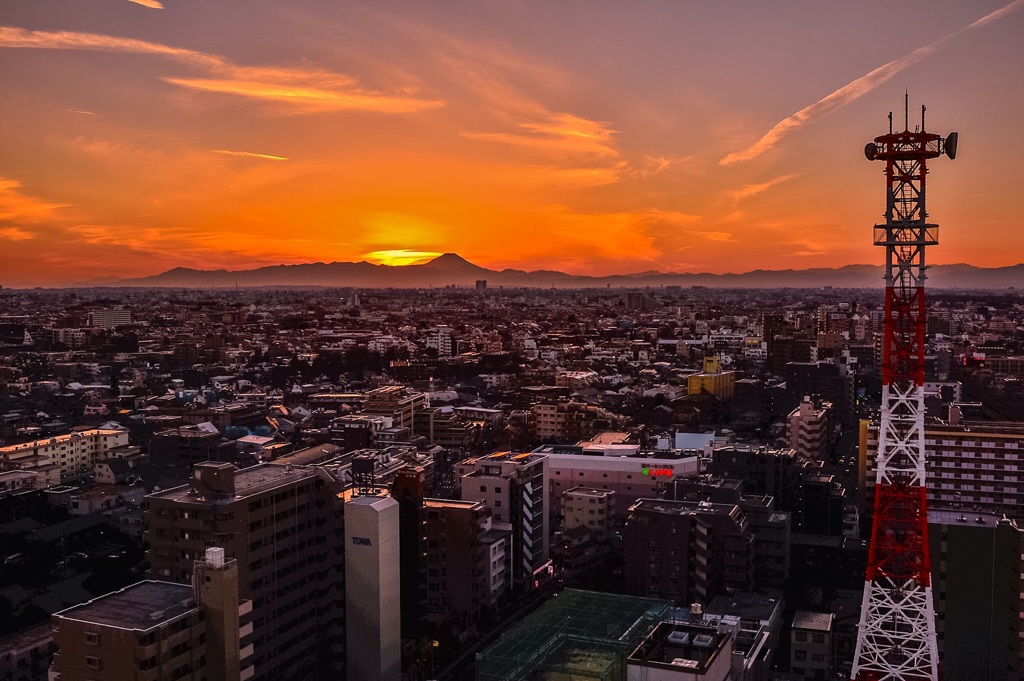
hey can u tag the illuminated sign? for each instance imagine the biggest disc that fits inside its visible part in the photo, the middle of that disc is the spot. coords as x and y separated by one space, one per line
667 472
361 541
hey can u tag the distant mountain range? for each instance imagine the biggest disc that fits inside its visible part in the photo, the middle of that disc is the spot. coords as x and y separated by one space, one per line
452 269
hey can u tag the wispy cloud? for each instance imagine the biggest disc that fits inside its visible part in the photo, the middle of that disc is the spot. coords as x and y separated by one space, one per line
15 205
15 234
556 177
80 111
152 4
748 190
296 88
716 236
558 133
249 154
308 98
855 89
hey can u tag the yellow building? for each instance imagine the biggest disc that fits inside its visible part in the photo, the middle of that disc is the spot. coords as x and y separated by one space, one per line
721 384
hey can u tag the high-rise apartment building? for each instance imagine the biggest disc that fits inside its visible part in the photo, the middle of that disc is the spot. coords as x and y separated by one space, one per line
64 457
460 569
440 340
284 527
975 465
978 592
155 630
812 429
110 317
687 551
514 487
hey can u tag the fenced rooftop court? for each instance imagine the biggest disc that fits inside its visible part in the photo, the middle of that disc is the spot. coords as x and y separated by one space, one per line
577 634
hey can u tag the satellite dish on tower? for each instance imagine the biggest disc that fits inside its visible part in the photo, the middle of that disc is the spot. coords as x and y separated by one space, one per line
949 147
870 151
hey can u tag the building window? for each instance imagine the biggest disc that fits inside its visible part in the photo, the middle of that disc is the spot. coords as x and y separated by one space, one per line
819 638
818 657
497 490
483 488
801 636
800 654
93 662
92 638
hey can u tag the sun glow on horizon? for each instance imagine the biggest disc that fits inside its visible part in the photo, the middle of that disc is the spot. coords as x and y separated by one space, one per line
511 134
400 257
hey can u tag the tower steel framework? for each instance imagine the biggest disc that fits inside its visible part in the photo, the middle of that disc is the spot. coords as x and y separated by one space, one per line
896 639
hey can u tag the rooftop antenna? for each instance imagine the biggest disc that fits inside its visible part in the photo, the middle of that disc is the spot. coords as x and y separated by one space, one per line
906 110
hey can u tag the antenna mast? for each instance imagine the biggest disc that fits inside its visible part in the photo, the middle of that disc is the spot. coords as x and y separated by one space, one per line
896 638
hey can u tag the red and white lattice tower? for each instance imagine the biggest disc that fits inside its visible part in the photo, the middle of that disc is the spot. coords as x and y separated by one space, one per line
896 639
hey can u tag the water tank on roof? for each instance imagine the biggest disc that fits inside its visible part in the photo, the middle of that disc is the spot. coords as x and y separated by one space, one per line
681 638
704 640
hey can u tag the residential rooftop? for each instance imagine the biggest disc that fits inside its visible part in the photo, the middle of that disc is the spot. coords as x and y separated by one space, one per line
138 607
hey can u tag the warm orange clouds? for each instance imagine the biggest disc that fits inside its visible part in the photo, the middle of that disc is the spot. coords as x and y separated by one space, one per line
18 206
308 99
525 135
299 90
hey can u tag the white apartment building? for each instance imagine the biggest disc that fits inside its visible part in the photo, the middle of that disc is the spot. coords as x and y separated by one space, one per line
70 456
111 317
973 466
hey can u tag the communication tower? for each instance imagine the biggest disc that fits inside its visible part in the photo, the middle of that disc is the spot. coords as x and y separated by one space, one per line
896 639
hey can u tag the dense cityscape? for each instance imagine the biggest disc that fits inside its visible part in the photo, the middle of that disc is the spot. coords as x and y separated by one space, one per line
479 483
511 341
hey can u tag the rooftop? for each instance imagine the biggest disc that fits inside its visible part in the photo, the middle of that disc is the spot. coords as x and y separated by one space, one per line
139 607
683 507
59 439
815 621
450 503
580 633
691 649
248 482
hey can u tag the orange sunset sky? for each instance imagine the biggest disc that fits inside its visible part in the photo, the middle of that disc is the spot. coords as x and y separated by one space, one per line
588 136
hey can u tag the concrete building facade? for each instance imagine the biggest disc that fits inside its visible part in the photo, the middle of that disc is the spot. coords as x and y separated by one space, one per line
515 488
72 455
283 525
372 581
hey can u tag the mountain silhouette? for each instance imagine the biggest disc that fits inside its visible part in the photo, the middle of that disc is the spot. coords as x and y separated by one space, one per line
452 269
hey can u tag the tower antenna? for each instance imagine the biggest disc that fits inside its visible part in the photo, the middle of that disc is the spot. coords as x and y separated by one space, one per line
896 638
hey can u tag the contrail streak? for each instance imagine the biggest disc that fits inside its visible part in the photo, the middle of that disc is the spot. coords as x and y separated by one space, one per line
855 90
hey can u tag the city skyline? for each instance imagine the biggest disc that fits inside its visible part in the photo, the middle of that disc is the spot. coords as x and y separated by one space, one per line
586 138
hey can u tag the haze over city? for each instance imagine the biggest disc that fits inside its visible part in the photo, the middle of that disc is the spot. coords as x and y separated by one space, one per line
591 138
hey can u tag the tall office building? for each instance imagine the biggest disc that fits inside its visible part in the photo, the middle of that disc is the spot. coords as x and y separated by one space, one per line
283 526
372 582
